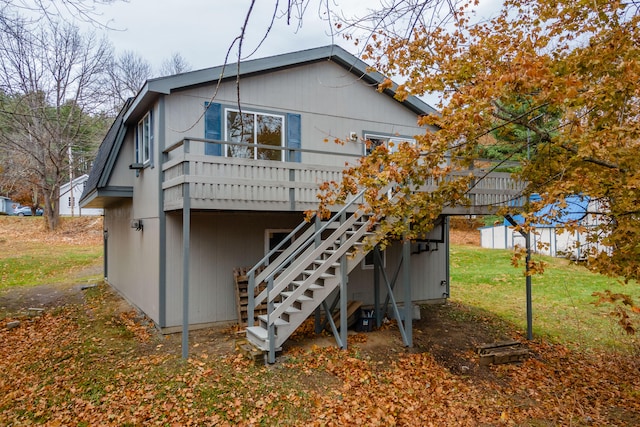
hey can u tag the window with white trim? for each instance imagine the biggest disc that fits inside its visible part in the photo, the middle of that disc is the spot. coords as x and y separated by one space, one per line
254 128
144 140
367 261
391 142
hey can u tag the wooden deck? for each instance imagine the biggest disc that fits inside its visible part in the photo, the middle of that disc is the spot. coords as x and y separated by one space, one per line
225 183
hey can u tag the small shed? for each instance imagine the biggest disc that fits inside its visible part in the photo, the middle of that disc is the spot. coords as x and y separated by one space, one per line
549 238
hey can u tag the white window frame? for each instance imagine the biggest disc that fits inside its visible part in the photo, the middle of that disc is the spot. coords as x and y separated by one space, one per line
364 265
143 140
255 129
396 140
268 234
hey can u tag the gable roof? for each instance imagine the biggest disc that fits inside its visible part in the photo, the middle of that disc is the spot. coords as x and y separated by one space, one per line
333 53
106 157
153 88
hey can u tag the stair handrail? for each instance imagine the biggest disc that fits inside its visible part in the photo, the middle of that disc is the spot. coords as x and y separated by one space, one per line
335 218
318 232
265 262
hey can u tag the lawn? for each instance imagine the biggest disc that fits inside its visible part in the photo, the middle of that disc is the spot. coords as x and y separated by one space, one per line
563 304
29 255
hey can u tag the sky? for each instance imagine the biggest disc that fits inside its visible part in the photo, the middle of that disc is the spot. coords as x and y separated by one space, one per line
202 30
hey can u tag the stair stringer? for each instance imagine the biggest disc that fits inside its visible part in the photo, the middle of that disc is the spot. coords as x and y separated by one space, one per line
306 283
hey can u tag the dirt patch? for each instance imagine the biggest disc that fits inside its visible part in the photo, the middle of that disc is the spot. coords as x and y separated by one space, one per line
18 300
450 332
464 231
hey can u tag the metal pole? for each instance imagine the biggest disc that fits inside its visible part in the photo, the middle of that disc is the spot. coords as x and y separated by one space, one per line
527 240
528 286
406 280
376 285
186 233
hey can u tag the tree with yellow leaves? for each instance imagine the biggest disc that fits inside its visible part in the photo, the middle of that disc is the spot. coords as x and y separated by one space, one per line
559 79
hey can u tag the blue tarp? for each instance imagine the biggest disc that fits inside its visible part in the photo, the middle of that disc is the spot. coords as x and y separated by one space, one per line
574 211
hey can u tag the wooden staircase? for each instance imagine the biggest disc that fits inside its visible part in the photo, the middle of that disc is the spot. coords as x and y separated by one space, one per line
305 274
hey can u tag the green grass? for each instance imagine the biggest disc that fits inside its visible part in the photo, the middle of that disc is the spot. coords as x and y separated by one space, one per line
43 264
563 305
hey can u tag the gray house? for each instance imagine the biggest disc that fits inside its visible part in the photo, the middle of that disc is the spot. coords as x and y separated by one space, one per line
195 183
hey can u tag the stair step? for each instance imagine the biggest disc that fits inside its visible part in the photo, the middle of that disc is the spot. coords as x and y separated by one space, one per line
311 287
288 310
321 262
259 332
278 322
329 252
322 275
287 294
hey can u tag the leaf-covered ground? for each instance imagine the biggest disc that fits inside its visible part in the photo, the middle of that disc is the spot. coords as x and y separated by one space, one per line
97 362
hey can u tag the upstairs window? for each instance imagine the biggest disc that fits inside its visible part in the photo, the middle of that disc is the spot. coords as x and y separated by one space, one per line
144 140
391 142
254 128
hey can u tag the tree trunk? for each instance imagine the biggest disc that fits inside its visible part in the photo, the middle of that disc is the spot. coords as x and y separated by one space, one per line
51 213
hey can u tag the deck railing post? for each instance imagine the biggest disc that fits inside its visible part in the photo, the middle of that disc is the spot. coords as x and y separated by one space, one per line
406 281
271 333
344 277
252 298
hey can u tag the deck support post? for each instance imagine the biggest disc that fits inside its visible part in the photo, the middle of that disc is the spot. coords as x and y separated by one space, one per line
344 278
186 232
271 326
406 283
377 264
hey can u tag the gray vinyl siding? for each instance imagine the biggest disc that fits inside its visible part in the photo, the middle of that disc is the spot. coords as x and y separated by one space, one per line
222 241
219 243
332 103
428 270
145 188
133 258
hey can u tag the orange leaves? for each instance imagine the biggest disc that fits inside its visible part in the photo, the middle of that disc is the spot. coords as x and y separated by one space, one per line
557 79
55 374
624 309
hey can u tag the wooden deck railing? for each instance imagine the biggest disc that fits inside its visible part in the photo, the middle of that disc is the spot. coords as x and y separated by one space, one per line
217 182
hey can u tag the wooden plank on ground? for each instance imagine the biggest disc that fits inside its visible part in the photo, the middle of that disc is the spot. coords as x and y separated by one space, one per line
242 295
352 308
502 352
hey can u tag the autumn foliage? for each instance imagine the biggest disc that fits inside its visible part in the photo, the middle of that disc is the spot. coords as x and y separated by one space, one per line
555 80
95 364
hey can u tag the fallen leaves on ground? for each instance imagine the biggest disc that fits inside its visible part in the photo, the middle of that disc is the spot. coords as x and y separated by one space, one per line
85 365
18 231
